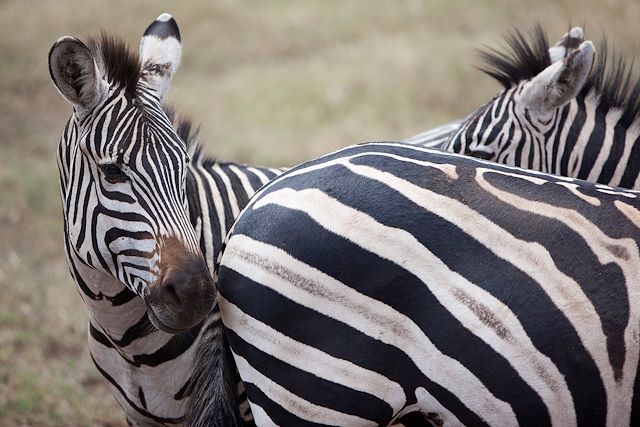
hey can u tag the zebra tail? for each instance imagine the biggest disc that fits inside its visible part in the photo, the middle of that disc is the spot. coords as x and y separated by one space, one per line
212 400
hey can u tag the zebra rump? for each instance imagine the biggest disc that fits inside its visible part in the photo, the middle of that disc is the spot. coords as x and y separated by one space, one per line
387 278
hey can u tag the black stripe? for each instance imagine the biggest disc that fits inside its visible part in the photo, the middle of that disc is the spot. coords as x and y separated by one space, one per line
277 414
593 146
615 155
174 348
163 29
138 409
575 128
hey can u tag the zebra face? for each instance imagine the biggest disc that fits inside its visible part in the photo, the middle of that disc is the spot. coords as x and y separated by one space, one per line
513 127
123 174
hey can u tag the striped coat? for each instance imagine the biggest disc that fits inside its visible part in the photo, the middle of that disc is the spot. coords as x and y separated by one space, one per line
386 278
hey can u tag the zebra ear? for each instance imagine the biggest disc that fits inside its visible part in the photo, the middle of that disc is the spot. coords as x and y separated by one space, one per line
567 44
560 82
74 71
160 50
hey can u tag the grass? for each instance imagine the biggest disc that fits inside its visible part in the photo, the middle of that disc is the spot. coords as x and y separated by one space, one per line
271 82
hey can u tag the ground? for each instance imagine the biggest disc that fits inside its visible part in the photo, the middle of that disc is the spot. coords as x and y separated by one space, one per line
272 83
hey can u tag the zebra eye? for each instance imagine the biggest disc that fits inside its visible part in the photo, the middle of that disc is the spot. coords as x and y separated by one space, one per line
113 174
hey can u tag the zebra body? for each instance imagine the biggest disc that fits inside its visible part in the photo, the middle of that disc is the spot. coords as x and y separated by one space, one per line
144 219
551 117
387 278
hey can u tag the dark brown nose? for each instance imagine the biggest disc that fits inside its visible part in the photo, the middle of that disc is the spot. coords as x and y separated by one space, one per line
183 297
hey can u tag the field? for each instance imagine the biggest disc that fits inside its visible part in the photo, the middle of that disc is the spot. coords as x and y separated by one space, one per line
271 83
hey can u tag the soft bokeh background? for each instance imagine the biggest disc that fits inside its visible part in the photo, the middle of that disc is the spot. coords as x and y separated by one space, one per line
272 83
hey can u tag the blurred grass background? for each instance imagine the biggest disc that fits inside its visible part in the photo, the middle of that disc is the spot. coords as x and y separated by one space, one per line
272 83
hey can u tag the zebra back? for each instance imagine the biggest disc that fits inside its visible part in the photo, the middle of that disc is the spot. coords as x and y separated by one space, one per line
386 278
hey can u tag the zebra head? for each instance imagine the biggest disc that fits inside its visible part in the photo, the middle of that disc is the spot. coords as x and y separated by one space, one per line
123 173
512 128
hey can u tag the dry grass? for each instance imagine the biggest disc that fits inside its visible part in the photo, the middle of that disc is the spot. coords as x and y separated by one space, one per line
272 82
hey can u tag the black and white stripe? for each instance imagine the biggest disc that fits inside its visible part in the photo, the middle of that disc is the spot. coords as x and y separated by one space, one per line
436 138
387 278
144 219
439 137
551 117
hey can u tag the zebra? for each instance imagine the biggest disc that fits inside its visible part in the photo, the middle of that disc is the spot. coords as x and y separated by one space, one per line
145 212
385 278
440 136
558 117
437 137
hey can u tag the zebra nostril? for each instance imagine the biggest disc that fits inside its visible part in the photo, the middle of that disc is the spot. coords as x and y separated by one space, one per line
183 295
172 295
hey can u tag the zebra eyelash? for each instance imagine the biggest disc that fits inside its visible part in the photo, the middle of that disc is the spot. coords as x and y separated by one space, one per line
113 174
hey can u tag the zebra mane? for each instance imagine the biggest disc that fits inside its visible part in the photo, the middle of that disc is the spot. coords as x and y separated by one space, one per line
612 78
189 132
523 58
120 64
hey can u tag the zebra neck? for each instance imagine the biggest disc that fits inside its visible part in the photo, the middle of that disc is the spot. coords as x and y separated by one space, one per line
148 370
601 143
216 193
118 317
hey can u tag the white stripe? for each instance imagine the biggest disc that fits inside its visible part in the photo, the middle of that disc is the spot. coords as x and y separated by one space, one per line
260 416
425 400
630 139
207 233
564 134
435 137
261 176
610 120
309 359
294 404
574 188
218 204
447 168
577 154
231 196
246 185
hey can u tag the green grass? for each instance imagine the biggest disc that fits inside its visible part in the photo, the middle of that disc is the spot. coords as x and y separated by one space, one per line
272 82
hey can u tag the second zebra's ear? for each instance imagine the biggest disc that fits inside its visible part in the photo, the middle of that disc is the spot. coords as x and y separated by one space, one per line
160 51
560 82
567 44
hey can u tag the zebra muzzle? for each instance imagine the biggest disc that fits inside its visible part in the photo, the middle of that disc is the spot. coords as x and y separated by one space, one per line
183 295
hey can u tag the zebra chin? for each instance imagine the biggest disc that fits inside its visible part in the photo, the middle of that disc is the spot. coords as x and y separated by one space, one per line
182 297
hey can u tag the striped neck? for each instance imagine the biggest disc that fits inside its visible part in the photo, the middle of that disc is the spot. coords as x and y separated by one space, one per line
583 139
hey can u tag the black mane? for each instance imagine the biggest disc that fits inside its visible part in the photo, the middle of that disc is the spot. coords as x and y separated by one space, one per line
120 64
612 77
523 59
190 134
